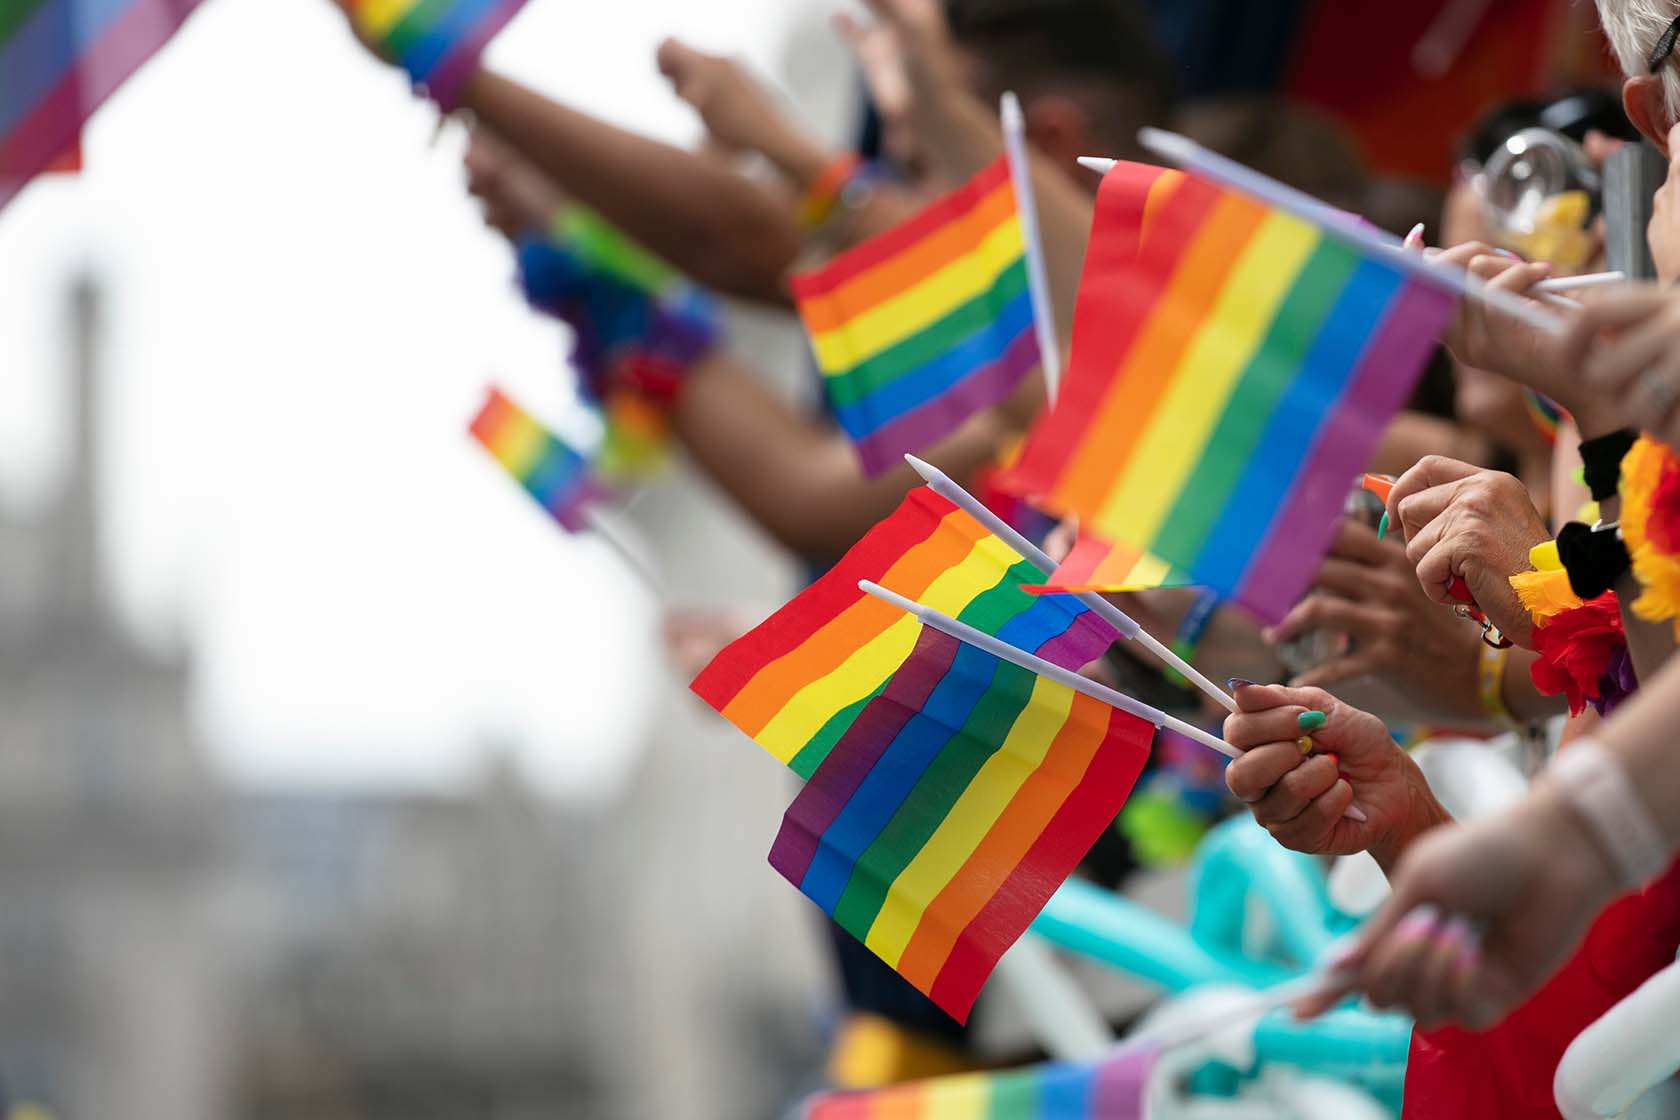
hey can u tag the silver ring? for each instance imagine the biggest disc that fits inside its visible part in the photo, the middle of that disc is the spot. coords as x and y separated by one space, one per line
1661 392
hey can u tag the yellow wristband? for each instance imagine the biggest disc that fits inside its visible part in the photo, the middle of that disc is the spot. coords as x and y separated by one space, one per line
1490 674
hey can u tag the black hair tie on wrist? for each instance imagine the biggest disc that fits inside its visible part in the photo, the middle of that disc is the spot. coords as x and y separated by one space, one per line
1601 461
1594 558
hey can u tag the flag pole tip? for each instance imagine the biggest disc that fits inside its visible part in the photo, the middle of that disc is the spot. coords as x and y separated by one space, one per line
1009 110
927 470
1096 163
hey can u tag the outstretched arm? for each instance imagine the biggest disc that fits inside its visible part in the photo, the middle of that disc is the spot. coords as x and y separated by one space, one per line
796 477
727 231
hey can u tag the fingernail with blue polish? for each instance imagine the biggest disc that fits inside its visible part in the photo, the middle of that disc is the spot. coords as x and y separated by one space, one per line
1311 721
1237 682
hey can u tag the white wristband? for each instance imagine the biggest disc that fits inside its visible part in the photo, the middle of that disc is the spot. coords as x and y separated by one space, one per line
1596 787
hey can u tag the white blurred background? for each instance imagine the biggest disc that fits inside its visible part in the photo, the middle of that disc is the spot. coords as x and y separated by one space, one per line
335 782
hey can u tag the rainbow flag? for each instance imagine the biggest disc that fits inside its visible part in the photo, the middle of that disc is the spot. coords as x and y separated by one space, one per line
1111 1089
951 809
437 41
798 681
1093 564
1232 368
919 328
552 473
59 62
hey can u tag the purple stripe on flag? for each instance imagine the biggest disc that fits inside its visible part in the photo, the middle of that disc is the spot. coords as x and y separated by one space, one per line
52 124
1123 1084
840 774
1300 534
1085 640
884 448
461 61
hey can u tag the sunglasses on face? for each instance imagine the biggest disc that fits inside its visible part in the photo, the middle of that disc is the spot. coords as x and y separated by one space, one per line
1664 47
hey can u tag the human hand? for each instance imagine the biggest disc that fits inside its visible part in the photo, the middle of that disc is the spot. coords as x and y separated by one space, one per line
1491 338
1367 591
880 58
1529 879
515 196
1304 800
1627 345
923 37
1473 524
737 111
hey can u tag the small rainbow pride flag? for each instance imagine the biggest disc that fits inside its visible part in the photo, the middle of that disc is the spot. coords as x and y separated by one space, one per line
803 676
59 62
951 809
1110 1089
920 327
1093 564
437 41
1232 367
552 473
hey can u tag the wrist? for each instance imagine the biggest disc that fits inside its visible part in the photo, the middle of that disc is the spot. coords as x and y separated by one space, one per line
1593 787
1422 813
1577 854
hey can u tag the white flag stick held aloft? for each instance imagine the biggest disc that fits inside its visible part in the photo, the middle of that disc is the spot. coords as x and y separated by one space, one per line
1038 285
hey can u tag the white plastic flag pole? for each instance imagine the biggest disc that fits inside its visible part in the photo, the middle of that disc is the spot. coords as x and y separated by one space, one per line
1038 285
637 561
1191 156
1223 1014
1061 1015
1035 664
1585 280
941 484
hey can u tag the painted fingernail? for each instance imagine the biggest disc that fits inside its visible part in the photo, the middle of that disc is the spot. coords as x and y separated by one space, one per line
1382 526
1311 721
1506 253
1335 758
1235 683
1355 813
1305 745
1414 238
1417 924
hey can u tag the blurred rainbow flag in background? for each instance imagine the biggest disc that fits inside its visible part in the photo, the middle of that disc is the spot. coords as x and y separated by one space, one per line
59 61
1110 1089
960 798
796 682
437 41
918 328
1232 367
551 472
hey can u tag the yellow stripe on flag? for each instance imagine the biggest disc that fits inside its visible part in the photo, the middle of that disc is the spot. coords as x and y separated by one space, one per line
518 445
918 307
1224 344
976 810
807 710
961 1096
378 17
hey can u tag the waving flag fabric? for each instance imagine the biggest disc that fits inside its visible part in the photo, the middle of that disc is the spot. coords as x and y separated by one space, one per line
1093 564
551 472
59 61
437 41
1232 367
961 797
919 328
799 680
1110 1089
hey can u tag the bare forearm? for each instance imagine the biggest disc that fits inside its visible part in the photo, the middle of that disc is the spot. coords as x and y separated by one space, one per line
1641 734
797 478
713 223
